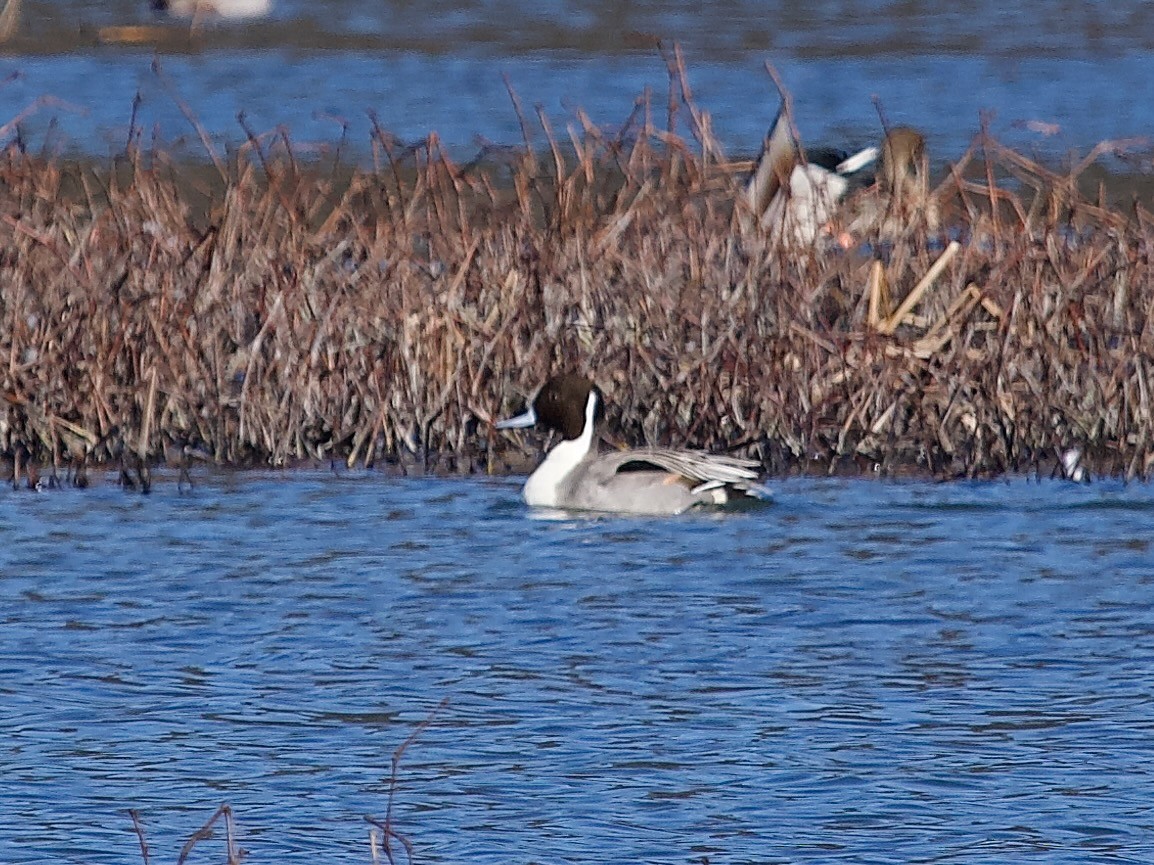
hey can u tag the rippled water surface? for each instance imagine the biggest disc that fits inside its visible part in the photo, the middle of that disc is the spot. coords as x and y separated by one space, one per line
861 672
316 67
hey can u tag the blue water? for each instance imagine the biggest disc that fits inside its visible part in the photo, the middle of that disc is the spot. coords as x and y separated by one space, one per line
318 69
862 672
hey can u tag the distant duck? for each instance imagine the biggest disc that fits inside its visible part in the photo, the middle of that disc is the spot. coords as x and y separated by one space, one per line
797 200
904 164
1070 462
902 196
236 10
905 176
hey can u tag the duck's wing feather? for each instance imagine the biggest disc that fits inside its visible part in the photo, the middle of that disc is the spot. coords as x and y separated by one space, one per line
698 466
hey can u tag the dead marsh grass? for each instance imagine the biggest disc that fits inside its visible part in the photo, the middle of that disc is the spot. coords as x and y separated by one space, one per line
263 309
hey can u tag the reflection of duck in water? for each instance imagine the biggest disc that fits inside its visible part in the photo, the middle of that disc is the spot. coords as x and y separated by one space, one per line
233 9
796 199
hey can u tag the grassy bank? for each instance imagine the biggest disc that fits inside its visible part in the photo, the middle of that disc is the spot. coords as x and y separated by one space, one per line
259 310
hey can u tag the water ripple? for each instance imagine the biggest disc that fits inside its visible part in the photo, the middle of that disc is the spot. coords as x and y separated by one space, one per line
863 672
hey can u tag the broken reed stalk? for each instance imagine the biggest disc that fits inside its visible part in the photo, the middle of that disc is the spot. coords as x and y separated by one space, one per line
234 853
190 116
10 20
386 826
878 296
143 445
711 150
263 310
889 325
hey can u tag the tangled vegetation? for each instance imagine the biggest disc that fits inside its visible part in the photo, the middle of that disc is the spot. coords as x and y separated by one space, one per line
257 309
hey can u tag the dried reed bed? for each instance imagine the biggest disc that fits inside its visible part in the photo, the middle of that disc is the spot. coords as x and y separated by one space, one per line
263 311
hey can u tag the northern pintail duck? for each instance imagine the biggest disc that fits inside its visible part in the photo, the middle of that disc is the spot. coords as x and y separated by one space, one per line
796 199
643 481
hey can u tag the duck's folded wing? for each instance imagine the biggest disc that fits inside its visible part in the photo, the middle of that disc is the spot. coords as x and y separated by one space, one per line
693 465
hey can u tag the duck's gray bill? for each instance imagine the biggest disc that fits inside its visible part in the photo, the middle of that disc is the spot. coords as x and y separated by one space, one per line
519 422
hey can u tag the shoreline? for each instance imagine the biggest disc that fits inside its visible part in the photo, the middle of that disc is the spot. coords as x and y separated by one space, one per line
187 476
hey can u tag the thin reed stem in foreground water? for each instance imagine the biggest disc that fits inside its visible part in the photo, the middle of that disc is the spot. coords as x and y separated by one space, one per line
139 829
234 854
386 826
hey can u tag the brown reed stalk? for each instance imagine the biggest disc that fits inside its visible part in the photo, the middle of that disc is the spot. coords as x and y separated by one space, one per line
234 853
702 127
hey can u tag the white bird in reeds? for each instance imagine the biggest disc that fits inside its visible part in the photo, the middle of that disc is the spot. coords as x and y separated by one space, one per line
231 9
1070 462
795 198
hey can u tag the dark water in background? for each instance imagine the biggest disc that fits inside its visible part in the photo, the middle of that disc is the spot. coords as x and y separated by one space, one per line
863 672
312 66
